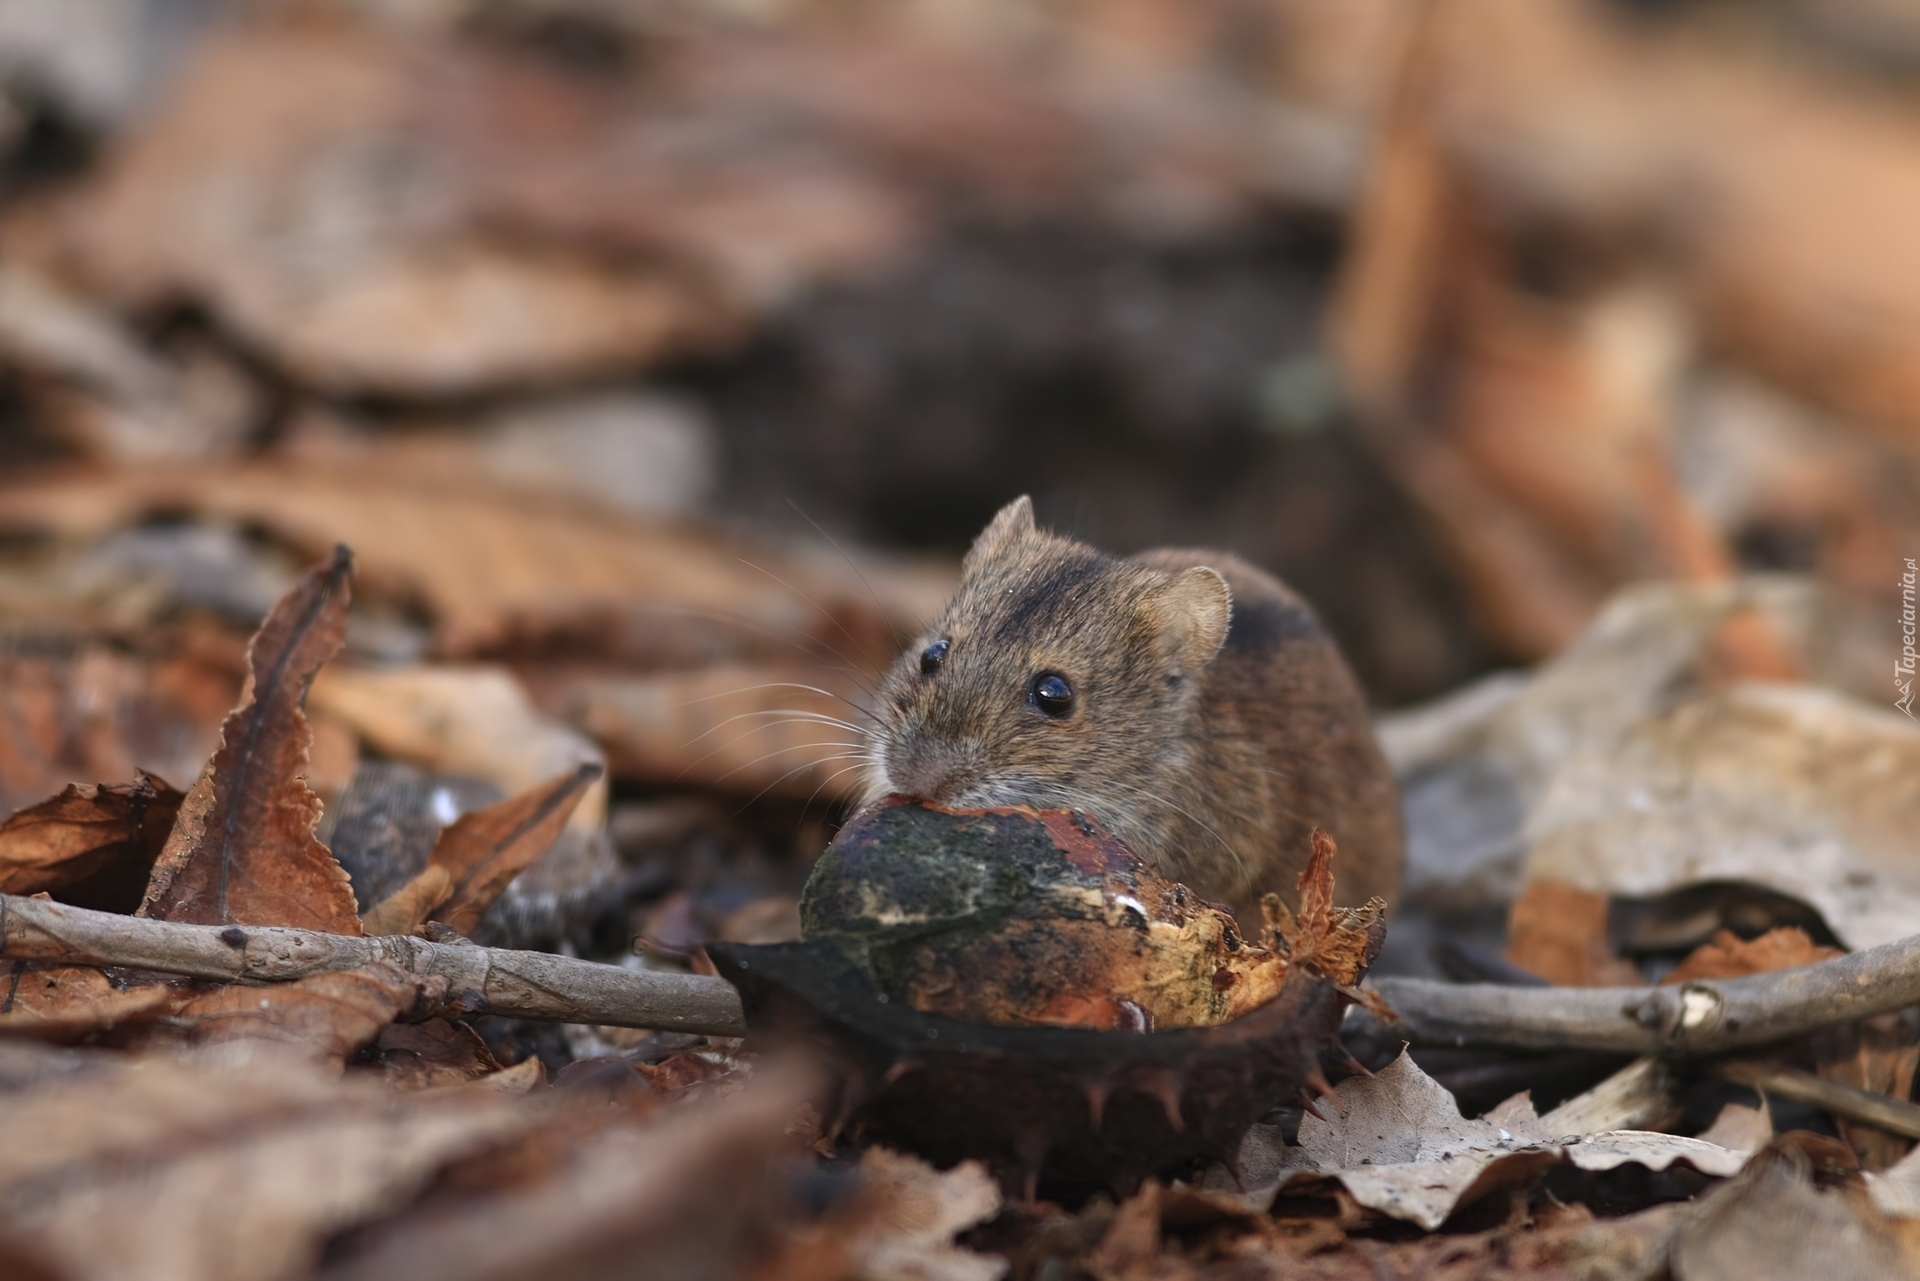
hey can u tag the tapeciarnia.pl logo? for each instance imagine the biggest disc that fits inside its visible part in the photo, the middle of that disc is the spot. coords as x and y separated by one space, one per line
1903 666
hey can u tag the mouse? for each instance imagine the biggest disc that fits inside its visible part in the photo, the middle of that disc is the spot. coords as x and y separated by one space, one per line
1189 701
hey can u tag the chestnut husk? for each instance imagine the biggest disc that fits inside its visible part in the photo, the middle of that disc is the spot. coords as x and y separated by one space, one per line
1060 1111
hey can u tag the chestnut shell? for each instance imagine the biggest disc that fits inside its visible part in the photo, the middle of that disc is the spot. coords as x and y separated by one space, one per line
1064 1111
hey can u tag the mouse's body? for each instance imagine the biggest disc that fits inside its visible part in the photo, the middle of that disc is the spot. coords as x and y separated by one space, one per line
1189 701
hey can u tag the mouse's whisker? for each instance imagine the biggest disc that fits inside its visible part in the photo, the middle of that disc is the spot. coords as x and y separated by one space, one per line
791 716
750 689
788 717
789 774
885 617
830 616
859 674
782 751
1239 860
742 737
828 779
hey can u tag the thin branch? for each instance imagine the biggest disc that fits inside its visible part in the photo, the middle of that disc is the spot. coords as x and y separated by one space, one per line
1684 1020
1850 1101
1688 1019
530 985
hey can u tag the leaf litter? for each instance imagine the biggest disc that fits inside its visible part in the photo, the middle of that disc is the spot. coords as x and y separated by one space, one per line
281 308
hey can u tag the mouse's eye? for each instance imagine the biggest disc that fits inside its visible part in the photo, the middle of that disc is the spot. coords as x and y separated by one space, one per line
934 656
1052 694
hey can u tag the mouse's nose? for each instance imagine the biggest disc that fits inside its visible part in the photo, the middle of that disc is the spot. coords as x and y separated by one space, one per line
928 774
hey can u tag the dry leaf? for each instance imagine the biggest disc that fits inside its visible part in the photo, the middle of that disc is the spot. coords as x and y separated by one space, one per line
679 1187
1740 1128
1794 788
71 1002
500 571
1728 956
103 714
325 1018
94 844
168 1171
407 908
438 1052
1399 1145
243 848
1559 932
1771 1221
903 1220
484 850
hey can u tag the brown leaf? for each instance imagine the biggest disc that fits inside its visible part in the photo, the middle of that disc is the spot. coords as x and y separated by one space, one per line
243 849
324 1017
69 1002
164 1169
438 1052
407 908
484 850
1773 1221
93 845
101 713
1560 933
900 1222
657 1184
1728 956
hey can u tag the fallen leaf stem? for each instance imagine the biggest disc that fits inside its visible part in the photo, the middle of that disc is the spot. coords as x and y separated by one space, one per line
534 985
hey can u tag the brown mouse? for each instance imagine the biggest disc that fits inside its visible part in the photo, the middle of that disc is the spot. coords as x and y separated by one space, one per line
1189 701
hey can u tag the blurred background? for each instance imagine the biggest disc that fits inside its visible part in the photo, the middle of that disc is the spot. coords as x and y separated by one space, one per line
655 354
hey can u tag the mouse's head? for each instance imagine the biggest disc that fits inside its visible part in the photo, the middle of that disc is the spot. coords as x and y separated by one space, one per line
1057 676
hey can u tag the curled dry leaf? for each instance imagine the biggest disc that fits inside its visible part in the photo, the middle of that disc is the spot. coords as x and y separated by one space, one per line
1398 1144
93 844
1802 790
407 908
243 849
484 850
460 719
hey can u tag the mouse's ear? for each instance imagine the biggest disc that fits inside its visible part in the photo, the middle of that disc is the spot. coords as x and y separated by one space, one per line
1009 526
1190 616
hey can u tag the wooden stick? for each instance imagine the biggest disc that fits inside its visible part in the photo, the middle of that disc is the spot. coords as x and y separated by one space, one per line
1688 1019
1684 1020
529 985
1850 1101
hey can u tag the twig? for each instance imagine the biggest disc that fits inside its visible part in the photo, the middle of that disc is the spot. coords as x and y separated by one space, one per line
531 985
1686 1019
1849 1101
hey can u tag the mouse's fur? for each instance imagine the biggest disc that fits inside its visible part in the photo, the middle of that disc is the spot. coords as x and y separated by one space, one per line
1213 726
